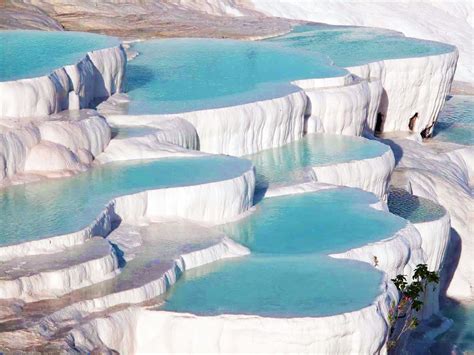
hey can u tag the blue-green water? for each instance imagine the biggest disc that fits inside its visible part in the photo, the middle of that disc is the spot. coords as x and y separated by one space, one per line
413 208
179 75
325 222
456 121
27 54
350 46
56 207
460 337
283 286
287 164
289 273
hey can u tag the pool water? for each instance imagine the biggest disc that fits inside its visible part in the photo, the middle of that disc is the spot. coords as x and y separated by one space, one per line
456 121
413 208
57 207
289 273
27 54
283 286
460 337
325 222
349 46
290 163
179 75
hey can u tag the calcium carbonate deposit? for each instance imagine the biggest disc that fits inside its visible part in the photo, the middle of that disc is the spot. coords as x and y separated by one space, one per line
214 195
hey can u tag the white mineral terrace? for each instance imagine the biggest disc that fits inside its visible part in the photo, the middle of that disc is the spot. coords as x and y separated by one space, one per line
98 287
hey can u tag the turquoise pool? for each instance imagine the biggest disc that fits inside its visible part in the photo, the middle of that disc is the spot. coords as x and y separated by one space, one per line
456 121
289 164
460 337
283 286
349 46
179 75
413 208
27 54
289 273
57 207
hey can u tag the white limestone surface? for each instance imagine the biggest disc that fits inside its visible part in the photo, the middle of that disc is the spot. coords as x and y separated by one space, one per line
339 110
50 147
197 256
242 129
98 75
167 137
371 175
49 276
435 236
15 145
443 177
411 86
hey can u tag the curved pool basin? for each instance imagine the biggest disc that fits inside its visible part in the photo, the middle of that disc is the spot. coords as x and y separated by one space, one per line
327 221
364 44
288 286
413 208
181 75
287 164
456 121
289 273
56 207
27 54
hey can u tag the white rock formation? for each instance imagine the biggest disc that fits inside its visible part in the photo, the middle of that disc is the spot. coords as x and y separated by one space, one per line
56 146
411 86
242 129
47 157
371 175
339 110
100 74
435 236
166 137
50 276
445 179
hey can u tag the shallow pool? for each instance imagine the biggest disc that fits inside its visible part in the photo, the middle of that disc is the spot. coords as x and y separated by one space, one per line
27 54
460 337
289 273
287 286
57 207
289 164
349 46
456 121
413 208
179 75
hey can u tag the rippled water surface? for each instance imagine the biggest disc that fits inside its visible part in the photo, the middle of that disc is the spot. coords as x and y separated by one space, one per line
413 208
456 121
26 54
